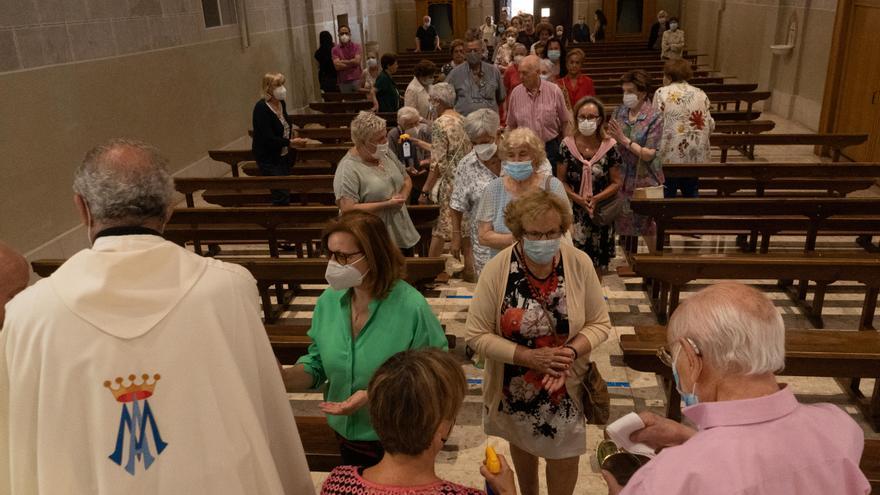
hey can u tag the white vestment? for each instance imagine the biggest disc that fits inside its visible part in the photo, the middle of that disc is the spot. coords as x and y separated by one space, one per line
210 417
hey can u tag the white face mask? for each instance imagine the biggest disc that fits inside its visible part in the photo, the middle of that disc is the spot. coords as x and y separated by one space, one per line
588 127
280 93
381 151
517 59
545 77
426 81
511 41
341 277
344 38
372 62
673 26
559 34
485 151
630 100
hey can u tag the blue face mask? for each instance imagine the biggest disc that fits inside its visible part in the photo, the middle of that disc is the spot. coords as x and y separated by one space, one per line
689 399
518 171
541 252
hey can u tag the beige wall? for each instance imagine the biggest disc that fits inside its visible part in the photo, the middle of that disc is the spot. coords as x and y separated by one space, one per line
78 72
737 35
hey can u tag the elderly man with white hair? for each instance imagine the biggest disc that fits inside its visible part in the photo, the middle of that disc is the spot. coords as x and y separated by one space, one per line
753 436
139 366
475 171
371 178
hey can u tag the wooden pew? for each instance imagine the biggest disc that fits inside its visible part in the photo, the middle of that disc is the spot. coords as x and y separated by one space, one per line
870 463
753 127
336 119
710 86
821 353
301 225
834 141
319 443
835 179
809 216
328 153
738 99
335 96
674 271
352 106
240 191
339 135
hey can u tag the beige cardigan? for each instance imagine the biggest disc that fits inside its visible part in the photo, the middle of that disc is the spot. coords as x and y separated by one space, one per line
587 315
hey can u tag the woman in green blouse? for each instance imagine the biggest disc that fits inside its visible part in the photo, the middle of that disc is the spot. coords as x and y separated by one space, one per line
367 315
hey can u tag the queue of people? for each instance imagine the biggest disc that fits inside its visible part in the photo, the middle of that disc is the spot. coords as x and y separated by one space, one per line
532 206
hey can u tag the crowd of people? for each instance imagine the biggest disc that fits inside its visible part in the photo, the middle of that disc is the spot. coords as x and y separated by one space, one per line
533 176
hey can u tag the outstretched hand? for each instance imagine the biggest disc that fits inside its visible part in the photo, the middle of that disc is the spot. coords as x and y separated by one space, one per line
347 407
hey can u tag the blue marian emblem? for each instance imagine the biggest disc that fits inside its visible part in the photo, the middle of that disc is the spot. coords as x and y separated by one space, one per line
135 420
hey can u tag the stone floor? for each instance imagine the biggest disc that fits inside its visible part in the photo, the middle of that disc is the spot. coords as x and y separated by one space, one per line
630 390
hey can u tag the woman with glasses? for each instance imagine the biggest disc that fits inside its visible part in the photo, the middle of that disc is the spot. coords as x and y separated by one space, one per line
537 313
522 153
370 178
367 315
724 345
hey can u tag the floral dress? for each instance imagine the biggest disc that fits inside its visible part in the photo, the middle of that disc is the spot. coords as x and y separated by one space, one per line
546 425
595 240
647 131
687 123
449 144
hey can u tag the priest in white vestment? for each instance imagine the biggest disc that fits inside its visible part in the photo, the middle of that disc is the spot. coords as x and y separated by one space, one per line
139 367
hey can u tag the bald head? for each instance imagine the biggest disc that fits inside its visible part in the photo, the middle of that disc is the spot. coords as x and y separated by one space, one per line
14 275
123 182
529 72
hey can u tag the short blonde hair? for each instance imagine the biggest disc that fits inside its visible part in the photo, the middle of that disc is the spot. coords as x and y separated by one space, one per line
407 114
365 126
533 205
523 136
410 394
272 80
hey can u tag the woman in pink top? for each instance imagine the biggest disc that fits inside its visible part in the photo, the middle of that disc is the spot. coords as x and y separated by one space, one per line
414 400
753 436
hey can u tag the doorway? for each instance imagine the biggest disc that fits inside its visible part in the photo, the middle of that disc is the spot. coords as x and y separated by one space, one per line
851 102
629 20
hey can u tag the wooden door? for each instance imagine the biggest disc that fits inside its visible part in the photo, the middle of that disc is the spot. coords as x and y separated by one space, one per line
853 99
629 20
560 12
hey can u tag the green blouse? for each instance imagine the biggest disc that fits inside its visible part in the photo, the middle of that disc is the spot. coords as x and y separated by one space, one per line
401 321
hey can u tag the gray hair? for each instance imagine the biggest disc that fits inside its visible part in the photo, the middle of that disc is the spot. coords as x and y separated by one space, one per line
444 93
737 329
124 180
407 114
365 126
481 123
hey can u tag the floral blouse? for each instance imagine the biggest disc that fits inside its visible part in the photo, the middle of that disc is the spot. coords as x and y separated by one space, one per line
687 123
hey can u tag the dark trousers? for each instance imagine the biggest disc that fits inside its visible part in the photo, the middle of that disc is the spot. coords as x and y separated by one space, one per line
359 453
552 149
689 187
280 197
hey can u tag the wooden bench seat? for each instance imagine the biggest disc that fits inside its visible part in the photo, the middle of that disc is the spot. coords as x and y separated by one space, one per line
820 353
673 271
270 225
336 119
836 142
326 153
835 186
870 463
250 169
228 191
319 443
341 106
753 127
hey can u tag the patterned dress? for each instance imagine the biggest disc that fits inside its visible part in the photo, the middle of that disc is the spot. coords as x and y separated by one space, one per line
545 425
595 240
348 480
449 145
471 179
687 123
647 131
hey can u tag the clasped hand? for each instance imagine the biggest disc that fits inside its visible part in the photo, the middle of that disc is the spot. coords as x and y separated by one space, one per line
554 362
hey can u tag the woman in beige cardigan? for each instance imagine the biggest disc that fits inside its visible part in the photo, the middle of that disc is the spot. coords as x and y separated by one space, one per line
537 313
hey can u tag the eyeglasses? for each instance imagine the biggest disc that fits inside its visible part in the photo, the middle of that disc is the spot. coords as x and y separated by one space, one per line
665 356
537 236
345 258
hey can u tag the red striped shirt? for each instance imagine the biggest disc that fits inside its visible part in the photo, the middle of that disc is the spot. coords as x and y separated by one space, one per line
543 111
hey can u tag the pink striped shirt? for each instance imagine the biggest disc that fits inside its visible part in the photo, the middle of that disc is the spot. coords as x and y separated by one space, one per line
543 111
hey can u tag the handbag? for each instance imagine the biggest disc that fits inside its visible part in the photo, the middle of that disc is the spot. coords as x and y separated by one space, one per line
605 212
596 401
